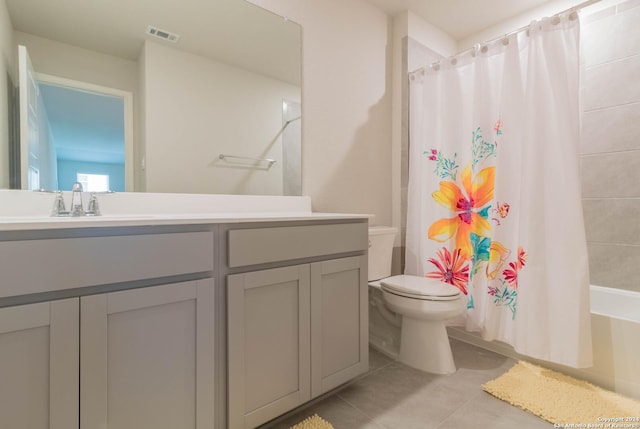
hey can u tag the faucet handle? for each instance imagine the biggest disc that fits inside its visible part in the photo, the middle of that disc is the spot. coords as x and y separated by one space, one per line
59 209
93 208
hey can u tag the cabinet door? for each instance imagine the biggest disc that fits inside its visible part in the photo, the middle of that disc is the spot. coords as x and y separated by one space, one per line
339 322
147 357
39 365
268 327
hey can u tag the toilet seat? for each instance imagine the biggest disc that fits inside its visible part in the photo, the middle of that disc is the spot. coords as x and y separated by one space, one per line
420 288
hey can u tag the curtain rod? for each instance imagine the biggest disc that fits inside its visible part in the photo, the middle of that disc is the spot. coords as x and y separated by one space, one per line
525 27
516 31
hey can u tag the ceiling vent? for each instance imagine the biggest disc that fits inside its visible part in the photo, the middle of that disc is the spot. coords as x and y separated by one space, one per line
162 34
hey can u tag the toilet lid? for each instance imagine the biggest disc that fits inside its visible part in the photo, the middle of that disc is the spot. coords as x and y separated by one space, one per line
420 288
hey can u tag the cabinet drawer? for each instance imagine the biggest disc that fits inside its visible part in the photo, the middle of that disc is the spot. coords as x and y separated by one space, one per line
33 266
263 245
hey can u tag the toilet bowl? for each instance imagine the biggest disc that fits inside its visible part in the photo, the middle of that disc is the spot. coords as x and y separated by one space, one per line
424 305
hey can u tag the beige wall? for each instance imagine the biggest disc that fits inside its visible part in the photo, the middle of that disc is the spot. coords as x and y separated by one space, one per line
215 109
346 104
6 67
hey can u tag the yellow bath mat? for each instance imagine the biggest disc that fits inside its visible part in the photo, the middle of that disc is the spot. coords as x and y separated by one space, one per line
313 422
563 400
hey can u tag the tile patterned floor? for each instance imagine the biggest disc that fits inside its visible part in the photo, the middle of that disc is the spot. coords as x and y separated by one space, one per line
394 396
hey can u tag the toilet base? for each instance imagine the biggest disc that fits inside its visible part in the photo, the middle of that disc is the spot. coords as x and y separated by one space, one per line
424 345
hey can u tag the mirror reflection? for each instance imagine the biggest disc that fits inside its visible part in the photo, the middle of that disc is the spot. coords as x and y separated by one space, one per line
86 132
205 79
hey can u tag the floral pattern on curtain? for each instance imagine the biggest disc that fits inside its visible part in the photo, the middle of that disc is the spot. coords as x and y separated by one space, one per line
494 193
475 213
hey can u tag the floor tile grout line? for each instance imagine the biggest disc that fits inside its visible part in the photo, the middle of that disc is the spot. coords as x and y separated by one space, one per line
370 418
473 397
374 371
364 376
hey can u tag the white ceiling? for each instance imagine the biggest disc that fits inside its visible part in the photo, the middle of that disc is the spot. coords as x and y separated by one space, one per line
460 18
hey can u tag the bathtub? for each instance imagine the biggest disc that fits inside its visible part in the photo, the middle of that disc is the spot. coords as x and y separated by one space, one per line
615 328
616 303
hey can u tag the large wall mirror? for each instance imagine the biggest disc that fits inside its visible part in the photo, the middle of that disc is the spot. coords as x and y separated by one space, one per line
213 91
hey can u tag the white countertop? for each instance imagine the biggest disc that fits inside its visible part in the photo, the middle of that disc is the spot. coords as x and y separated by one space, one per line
25 223
27 210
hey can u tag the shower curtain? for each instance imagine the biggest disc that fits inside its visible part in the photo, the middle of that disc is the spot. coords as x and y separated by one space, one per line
494 194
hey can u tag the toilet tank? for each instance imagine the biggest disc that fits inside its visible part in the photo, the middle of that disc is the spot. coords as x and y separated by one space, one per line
381 239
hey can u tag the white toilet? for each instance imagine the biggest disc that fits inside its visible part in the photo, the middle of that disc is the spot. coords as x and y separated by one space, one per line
423 304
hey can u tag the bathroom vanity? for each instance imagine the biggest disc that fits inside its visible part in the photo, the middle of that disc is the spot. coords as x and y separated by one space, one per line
297 318
165 320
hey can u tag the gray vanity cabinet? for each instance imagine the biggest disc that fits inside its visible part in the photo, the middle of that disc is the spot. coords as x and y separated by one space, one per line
133 345
128 327
294 332
39 365
147 357
339 322
268 344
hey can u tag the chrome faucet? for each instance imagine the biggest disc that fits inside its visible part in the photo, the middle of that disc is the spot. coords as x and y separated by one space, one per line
77 207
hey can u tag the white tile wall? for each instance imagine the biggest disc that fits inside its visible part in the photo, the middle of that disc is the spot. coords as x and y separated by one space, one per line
610 146
613 174
612 37
611 129
615 265
611 84
612 220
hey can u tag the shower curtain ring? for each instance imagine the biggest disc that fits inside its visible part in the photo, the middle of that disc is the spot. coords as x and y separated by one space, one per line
475 49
